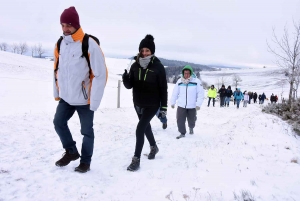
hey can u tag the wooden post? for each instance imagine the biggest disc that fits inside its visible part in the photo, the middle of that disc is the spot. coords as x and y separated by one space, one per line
119 90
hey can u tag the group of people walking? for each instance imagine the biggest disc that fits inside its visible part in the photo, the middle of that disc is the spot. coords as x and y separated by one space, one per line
80 77
225 96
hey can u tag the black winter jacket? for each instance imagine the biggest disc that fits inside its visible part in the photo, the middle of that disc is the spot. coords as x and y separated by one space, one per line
149 86
222 92
228 93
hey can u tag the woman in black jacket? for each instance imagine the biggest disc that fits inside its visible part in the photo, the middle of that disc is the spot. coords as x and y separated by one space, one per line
147 78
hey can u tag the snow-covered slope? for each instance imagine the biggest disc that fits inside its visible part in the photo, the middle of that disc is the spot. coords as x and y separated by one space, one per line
233 153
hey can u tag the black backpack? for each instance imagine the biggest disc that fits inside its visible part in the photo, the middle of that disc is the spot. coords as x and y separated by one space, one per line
85 48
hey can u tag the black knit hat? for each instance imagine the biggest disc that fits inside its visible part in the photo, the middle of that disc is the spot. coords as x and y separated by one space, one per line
148 42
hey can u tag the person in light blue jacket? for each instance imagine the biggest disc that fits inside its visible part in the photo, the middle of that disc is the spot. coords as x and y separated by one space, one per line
238 96
189 94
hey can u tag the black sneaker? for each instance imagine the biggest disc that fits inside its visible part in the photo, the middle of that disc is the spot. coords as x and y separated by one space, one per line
153 151
135 164
180 136
191 131
67 158
83 168
164 126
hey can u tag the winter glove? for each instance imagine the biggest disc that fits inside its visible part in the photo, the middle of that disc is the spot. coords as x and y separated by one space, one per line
125 75
162 114
173 106
197 108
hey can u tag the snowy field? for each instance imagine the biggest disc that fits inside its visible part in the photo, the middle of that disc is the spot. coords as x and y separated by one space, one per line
235 154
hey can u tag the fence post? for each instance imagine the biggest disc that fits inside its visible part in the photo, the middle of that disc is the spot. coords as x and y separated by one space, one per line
119 90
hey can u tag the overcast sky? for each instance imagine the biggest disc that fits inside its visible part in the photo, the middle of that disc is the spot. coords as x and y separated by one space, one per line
228 32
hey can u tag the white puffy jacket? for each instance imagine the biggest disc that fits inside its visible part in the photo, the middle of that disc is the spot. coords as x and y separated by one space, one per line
188 95
73 78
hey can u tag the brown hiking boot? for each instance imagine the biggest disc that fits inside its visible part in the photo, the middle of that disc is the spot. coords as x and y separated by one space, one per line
83 168
67 158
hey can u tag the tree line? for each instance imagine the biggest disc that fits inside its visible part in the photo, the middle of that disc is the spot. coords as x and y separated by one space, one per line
22 48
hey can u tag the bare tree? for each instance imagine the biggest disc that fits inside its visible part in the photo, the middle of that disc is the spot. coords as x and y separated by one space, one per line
287 52
218 83
40 50
236 79
281 84
33 50
297 82
15 48
3 46
23 47
223 80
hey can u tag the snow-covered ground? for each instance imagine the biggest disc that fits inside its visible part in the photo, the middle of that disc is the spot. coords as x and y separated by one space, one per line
234 153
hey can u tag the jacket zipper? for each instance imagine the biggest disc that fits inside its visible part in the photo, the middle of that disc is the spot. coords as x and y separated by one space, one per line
186 96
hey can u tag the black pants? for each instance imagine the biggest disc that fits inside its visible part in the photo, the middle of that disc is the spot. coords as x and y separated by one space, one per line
209 98
144 128
222 101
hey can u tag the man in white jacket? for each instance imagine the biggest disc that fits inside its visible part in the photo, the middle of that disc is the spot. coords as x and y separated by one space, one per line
77 86
189 94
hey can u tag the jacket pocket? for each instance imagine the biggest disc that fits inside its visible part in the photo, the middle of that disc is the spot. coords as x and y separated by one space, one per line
84 90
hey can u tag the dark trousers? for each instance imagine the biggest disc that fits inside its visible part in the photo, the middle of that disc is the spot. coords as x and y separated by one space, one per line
144 128
209 98
184 114
222 101
64 112
238 102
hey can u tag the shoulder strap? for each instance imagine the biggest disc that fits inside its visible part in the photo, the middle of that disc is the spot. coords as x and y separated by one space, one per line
58 49
85 48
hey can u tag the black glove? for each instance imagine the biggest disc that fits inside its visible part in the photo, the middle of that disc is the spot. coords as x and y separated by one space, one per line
125 75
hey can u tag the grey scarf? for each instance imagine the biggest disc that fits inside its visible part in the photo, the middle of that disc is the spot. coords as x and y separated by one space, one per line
145 61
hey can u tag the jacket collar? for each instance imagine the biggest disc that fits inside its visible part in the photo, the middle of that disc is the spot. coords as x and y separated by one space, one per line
77 36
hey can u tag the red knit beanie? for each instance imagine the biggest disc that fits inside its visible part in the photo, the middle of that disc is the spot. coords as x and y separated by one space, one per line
71 17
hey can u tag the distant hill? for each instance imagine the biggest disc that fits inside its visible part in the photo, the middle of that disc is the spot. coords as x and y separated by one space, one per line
175 63
174 68
221 66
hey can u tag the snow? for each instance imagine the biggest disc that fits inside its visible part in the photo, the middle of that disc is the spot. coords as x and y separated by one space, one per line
233 152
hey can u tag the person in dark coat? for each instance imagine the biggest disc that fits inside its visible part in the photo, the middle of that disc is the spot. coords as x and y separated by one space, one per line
228 93
254 97
222 95
263 97
259 99
147 79
272 98
250 96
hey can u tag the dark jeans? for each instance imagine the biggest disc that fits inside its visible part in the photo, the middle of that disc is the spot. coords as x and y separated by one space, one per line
238 102
144 128
222 101
184 114
209 98
64 112
162 119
